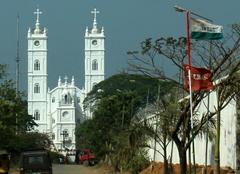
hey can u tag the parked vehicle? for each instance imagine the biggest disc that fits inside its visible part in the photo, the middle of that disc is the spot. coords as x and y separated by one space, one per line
4 162
35 162
86 155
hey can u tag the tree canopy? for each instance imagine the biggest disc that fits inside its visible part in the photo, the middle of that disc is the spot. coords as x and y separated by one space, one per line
145 87
116 132
15 123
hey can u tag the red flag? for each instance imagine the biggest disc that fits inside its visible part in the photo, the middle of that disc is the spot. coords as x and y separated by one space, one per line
200 78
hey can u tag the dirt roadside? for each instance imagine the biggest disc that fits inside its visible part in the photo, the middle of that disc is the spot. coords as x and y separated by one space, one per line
157 168
78 169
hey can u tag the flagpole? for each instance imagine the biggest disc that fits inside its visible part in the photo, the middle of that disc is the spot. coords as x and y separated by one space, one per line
188 41
190 68
190 83
180 9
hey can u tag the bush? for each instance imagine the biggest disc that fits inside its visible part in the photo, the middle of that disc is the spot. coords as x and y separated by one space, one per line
55 157
138 163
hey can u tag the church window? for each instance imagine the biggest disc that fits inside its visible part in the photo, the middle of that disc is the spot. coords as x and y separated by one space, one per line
53 136
36 115
65 133
53 99
53 120
36 65
65 99
78 100
94 65
36 88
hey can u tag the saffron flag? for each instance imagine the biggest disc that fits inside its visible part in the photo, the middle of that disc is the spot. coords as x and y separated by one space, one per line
203 30
200 78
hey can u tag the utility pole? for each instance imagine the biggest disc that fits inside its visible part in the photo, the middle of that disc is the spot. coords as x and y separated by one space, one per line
17 69
17 57
64 134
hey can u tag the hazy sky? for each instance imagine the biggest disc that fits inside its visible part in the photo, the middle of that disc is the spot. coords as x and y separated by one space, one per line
126 23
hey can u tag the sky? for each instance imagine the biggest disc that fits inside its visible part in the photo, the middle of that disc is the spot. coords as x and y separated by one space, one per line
126 24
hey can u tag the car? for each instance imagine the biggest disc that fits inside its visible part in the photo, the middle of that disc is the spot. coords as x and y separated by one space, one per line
4 162
86 155
35 162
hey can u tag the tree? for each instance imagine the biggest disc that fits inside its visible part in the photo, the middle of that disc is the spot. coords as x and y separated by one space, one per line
13 108
117 134
225 63
14 117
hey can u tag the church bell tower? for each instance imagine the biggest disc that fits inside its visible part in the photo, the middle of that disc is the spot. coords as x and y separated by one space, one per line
37 74
94 54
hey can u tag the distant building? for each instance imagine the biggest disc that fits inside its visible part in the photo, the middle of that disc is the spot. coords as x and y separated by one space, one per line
57 110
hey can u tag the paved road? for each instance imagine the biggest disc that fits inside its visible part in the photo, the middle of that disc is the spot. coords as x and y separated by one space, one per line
72 169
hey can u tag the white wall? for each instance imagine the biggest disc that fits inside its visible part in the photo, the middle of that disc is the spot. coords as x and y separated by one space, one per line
227 139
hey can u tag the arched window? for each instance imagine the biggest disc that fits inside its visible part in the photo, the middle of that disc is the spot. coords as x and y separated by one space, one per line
53 99
65 99
65 113
36 88
36 115
36 65
94 65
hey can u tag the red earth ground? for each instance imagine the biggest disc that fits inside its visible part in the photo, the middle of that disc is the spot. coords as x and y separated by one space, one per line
157 168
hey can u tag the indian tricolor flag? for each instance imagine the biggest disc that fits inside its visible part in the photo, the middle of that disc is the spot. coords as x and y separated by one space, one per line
203 30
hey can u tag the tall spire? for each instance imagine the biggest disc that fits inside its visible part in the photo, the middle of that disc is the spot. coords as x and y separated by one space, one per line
59 81
37 25
66 79
95 12
73 81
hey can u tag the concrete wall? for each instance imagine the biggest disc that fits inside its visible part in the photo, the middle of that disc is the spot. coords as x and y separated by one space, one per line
227 138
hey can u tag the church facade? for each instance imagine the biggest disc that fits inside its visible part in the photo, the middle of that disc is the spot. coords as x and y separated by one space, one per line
58 110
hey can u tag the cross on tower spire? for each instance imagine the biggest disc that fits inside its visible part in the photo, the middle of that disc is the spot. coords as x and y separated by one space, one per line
38 13
95 12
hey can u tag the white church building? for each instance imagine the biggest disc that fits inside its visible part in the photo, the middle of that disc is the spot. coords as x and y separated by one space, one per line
58 110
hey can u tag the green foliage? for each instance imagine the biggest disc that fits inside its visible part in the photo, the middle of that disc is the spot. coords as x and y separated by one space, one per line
25 141
14 118
115 133
3 71
86 135
111 118
55 157
28 141
138 162
144 86
13 113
